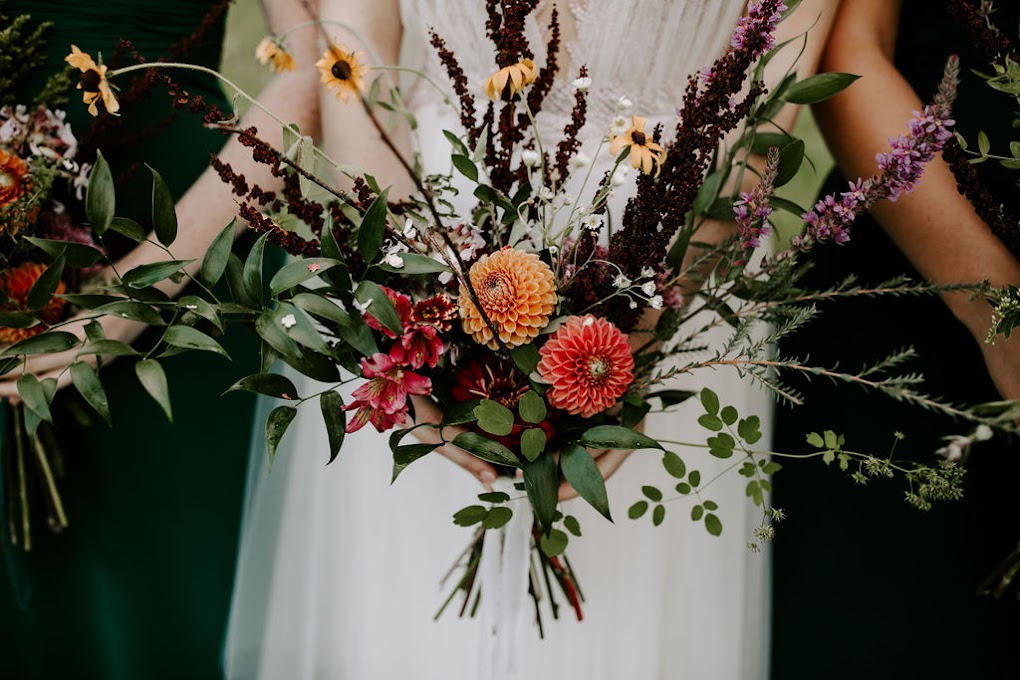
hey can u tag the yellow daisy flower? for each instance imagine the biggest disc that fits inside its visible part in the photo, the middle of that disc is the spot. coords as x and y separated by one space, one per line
644 153
92 83
272 52
508 81
341 69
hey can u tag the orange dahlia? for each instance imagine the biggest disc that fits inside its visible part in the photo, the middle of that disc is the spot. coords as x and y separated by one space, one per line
16 282
14 184
517 292
588 364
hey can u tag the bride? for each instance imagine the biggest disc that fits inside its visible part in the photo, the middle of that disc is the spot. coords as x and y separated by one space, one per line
338 573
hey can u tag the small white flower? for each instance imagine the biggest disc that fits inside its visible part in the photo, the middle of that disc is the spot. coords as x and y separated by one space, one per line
983 433
553 250
362 306
409 229
288 321
648 288
647 273
193 307
444 279
621 281
529 157
655 301
620 175
624 104
592 222
582 84
394 261
619 126
568 199
633 304
546 194
580 160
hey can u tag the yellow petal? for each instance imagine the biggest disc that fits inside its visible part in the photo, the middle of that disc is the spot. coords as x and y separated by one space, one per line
617 143
638 123
635 156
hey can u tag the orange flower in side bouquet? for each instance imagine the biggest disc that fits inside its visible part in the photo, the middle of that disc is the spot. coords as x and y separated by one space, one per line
645 154
340 69
16 283
516 290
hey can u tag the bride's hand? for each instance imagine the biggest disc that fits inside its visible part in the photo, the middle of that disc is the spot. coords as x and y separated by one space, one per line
44 366
426 411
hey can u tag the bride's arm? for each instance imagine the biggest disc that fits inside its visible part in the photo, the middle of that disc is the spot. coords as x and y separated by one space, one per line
208 205
935 227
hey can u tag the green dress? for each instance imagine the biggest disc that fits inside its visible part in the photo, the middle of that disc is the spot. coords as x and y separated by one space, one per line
139 584
864 585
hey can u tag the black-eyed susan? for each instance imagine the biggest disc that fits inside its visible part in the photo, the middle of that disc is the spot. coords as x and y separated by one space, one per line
272 52
341 69
93 82
508 81
645 154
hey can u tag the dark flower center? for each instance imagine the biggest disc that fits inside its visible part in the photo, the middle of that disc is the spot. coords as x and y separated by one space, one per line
90 80
341 70
599 368
639 138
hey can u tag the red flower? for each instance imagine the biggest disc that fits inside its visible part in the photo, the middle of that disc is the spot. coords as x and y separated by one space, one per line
589 365
438 311
489 378
16 283
401 303
383 399
418 347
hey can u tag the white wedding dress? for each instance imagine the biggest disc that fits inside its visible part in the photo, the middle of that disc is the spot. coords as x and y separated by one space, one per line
338 574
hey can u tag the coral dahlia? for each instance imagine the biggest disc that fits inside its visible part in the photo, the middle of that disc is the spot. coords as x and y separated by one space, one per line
517 292
589 365
16 282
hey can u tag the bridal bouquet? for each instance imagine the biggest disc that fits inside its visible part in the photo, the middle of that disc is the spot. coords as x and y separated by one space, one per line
544 322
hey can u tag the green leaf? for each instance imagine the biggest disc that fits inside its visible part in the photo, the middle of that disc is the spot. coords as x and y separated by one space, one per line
135 311
616 437
674 464
631 415
790 160
269 384
269 329
583 474
541 481
276 426
749 429
771 467
46 285
251 275
403 456
460 413
721 445
335 418
86 381
763 141
77 255
713 423
818 88
465 166
299 271
215 261
729 415
497 517
984 145
532 407
652 493
711 505
456 143
472 514
554 543
100 201
658 514
34 396
373 224
494 418
44 343
380 306
713 524
481 446
194 305
129 228
150 374
694 477
18 319
697 512
145 275
815 440
671 397
164 216
415 263
187 337
683 488
830 439
295 323
109 348
708 192
710 400
637 510
526 358
572 525
533 443
494 497
780 203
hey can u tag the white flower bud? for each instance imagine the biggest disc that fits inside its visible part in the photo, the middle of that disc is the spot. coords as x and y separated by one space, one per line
582 84
655 301
983 433
624 104
394 261
529 157
648 288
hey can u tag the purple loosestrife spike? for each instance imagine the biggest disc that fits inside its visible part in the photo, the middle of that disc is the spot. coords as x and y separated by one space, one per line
901 168
752 211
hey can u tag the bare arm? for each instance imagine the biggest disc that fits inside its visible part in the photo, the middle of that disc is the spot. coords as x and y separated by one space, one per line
935 227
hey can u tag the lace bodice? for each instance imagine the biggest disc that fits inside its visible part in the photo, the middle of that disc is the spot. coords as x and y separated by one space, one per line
641 49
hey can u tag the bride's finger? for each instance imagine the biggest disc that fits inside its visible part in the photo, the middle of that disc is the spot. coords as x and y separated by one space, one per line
607 462
482 471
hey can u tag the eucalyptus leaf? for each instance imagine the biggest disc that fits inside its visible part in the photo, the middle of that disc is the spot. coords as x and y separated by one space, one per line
129 228
533 443
532 408
494 418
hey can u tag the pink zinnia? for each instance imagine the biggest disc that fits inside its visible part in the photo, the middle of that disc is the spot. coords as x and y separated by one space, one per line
383 399
589 365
